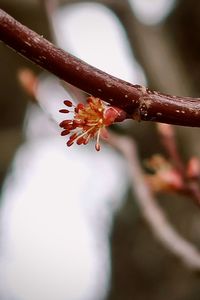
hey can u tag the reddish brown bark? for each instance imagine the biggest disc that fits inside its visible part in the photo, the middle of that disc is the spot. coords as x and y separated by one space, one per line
139 102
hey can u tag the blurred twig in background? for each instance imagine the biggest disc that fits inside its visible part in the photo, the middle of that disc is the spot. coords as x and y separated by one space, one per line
150 210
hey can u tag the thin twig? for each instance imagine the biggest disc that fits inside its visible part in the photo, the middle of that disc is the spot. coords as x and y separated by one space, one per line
139 102
151 211
168 139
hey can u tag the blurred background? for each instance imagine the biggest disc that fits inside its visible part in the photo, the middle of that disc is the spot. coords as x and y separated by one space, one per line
149 42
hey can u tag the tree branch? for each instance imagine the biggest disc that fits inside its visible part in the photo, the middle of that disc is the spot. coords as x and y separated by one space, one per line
138 102
153 214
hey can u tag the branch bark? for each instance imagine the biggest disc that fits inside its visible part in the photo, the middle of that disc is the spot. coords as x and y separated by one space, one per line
140 103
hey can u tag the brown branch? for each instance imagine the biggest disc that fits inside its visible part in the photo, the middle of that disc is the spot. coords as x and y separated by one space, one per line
152 212
139 102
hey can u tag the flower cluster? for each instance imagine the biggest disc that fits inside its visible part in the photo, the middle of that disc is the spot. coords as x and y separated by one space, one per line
90 121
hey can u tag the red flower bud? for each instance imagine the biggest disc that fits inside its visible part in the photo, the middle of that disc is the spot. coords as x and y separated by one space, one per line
89 121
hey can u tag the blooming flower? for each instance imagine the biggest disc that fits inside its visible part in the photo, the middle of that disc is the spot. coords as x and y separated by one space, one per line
90 121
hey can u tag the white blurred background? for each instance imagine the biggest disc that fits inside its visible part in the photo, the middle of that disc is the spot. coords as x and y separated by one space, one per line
58 203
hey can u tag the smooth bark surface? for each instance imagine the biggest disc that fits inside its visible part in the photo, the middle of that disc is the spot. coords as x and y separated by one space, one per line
139 102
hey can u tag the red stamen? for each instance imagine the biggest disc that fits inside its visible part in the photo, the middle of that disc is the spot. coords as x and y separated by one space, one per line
69 143
68 103
73 136
66 122
80 140
86 141
97 147
89 121
65 132
64 111
72 139
79 107
78 123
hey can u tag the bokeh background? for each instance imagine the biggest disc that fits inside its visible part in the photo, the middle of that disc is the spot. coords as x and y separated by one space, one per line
160 43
